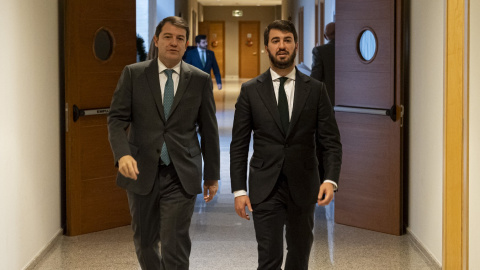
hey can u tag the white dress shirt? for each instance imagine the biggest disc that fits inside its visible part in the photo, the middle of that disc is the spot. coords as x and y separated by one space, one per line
163 77
289 87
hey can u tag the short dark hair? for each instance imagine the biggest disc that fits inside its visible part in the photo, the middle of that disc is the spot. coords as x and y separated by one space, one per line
174 20
282 25
199 38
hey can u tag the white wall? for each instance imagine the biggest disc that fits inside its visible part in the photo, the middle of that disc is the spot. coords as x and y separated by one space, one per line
291 8
30 135
165 8
142 21
426 124
152 18
329 13
308 30
192 6
474 205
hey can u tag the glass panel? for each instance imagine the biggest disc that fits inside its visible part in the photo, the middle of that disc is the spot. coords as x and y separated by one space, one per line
367 45
103 45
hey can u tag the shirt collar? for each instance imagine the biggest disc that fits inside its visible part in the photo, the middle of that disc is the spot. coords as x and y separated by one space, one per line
200 49
162 67
290 75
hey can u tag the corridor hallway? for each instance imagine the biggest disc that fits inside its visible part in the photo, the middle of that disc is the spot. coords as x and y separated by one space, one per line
222 240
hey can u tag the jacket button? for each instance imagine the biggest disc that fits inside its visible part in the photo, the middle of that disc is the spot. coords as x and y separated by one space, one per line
279 165
286 145
158 151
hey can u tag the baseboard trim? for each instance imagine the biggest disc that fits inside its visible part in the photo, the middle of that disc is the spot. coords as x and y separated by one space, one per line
45 250
432 262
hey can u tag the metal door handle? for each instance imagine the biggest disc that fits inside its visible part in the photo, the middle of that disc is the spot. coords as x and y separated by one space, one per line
79 112
392 112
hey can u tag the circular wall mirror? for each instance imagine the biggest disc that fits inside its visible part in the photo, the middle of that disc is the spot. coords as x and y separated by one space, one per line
367 45
103 44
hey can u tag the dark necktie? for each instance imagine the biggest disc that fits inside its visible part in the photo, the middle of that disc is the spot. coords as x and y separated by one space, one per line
168 96
283 105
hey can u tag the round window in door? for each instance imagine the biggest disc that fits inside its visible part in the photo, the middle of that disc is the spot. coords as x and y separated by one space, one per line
103 44
367 45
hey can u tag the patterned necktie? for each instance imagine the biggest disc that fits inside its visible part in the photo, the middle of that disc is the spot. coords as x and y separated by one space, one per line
283 105
203 58
168 96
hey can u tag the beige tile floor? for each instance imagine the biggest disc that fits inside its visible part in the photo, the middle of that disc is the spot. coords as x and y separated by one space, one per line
222 240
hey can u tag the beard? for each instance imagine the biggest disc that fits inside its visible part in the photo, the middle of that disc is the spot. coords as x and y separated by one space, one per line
282 64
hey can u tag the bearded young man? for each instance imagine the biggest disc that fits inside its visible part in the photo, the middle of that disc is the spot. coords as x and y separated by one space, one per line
290 115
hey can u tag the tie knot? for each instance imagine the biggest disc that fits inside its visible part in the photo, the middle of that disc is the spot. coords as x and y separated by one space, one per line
283 80
169 73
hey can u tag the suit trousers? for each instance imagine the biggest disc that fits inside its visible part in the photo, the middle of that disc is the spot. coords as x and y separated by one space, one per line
270 217
162 216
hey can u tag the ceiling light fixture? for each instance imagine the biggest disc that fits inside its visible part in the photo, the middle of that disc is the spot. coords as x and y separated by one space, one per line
237 13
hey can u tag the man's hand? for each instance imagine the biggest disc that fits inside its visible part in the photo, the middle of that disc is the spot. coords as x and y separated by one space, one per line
240 203
127 166
210 188
219 85
327 190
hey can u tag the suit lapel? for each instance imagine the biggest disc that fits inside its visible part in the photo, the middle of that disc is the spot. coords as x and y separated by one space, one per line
197 57
302 90
154 84
208 56
267 95
185 75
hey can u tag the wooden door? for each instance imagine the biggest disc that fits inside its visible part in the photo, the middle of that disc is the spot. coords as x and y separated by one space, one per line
100 40
369 98
215 32
249 47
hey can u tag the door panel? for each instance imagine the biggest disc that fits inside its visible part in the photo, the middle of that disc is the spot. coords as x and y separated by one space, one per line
249 49
371 86
370 191
94 202
374 81
369 194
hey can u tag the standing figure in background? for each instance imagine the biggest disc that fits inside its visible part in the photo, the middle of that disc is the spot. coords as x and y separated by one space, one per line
204 59
323 62
157 109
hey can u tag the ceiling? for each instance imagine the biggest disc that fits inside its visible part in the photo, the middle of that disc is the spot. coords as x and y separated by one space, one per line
240 2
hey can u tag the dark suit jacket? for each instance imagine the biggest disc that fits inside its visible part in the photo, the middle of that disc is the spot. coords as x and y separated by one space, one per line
137 105
293 153
193 58
323 67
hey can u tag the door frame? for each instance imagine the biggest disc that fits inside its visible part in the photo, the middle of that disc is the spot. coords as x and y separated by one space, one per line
456 124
